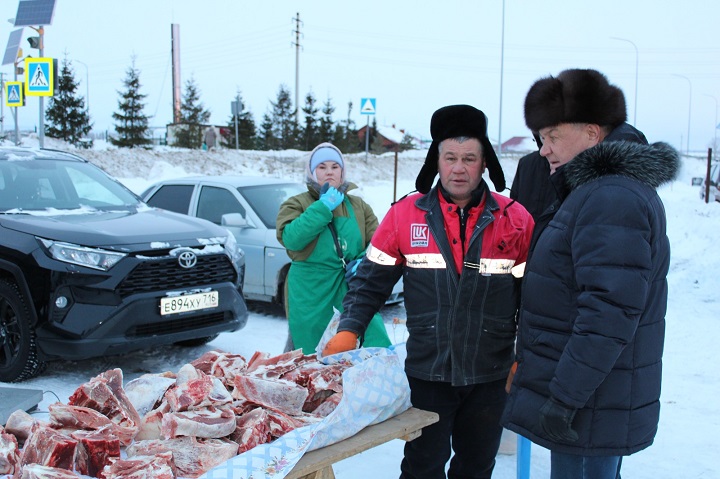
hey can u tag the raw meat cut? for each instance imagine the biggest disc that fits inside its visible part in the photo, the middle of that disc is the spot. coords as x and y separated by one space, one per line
150 423
9 453
158 466
327 406
37 471
194 389
278 394
268 367
201 423
253 428
48 447
222 365
146 392
192 457
94 450
105 394
19 424
321 384
64 416
281 423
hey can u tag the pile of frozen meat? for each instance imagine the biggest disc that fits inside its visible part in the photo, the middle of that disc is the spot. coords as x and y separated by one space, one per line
167 425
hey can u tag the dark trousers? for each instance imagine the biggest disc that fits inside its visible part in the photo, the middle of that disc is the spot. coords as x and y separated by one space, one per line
570 466
469 423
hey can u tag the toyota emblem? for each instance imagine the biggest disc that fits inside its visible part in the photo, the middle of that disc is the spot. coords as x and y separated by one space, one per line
187 259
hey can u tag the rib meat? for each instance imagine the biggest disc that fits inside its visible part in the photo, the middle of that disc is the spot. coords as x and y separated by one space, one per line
192 457
94 450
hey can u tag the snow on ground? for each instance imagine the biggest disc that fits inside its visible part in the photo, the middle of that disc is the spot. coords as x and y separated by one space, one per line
685 446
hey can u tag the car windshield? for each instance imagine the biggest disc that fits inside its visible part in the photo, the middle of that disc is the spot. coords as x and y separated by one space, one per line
44 184
266 199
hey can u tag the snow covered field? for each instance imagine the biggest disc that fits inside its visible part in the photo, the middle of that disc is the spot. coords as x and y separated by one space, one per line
685 446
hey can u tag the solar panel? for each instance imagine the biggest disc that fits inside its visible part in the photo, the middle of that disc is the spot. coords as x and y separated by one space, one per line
34 12
13 46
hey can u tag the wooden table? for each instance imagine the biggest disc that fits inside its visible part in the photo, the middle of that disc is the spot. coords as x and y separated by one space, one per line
407 425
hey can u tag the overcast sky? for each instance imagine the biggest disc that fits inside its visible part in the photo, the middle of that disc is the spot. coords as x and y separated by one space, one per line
412 57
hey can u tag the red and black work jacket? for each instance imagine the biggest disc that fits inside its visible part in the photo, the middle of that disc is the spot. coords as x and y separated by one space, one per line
461 297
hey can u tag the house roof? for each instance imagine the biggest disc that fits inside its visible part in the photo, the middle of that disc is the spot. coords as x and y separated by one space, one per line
520 144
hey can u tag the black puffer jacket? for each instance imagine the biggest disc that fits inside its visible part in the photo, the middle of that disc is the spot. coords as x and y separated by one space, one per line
592 322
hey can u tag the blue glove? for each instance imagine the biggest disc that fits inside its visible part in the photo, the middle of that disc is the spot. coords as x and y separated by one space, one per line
351 268
332 198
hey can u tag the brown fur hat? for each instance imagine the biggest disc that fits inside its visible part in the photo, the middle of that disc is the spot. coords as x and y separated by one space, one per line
574 96
455 121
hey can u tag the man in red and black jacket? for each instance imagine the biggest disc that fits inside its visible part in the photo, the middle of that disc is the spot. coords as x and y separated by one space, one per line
460 249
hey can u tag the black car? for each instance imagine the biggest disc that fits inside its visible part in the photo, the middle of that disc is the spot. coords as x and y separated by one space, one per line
87 269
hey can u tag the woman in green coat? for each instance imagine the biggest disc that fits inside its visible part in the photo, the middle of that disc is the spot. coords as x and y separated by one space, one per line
323 229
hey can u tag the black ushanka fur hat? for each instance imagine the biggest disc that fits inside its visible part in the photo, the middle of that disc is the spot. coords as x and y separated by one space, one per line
455 121
574 96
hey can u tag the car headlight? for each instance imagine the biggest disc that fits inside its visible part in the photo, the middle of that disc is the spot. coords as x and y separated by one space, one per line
94 258
237 255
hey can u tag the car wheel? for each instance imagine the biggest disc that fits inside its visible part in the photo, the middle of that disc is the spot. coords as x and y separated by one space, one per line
18 351
197 341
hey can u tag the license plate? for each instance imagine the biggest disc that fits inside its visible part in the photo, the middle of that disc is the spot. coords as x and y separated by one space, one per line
189 302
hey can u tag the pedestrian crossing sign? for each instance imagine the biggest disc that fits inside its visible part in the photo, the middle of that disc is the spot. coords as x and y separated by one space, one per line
367 106
40 77
13 93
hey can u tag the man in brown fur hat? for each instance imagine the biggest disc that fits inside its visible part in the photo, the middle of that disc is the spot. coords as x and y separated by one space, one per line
592 320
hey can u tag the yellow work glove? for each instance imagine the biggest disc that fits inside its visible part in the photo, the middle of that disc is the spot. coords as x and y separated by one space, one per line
341 342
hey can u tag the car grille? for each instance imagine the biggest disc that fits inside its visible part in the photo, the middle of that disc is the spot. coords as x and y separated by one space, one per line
179 324
164 274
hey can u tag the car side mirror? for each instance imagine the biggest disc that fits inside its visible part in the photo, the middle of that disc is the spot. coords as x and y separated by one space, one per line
234 219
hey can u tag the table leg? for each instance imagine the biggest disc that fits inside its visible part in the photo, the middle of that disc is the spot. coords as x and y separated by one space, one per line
324 473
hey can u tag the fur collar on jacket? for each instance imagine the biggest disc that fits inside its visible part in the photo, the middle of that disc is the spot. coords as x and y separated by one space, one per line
653 164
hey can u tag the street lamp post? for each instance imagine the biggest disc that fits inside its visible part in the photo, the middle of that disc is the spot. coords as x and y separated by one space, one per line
637 57
502 62
689 110
87 86
715 126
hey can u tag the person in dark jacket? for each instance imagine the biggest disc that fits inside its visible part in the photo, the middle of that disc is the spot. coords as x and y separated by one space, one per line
531 185
592 320
456 245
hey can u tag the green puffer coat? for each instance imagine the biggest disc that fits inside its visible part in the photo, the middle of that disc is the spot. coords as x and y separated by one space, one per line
316 280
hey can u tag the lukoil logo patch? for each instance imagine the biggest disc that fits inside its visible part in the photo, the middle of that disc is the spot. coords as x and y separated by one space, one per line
418 235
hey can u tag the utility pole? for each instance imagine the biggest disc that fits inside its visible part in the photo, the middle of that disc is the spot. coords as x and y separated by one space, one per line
297 67
41 120
502 68
176 86
236 112
15 110
2 105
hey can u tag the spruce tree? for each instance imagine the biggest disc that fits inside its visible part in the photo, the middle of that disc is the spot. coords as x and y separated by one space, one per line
375 145
131 124
407 143
266 138
326 129
285 128
245 127
66 114
350 140
310 131
193 117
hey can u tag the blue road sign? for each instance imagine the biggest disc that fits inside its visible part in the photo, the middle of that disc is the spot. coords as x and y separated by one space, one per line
40 76
13 93
367 106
